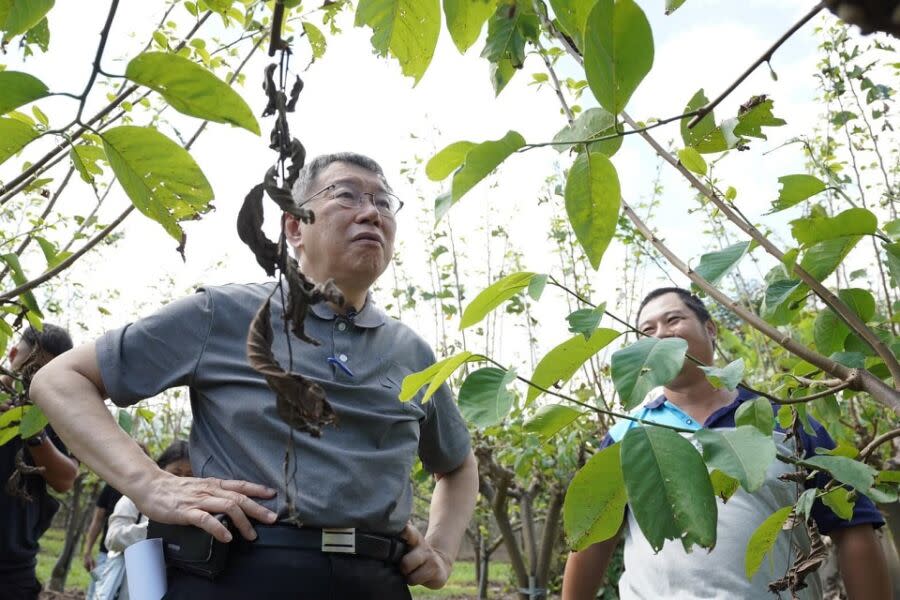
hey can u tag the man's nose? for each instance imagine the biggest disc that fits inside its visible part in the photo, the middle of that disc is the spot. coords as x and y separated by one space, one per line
368 212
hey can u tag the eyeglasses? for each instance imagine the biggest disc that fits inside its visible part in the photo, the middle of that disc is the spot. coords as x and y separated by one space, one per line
349 197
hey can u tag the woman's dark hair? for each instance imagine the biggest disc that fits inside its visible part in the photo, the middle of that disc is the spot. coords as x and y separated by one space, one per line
53 339
690 300
177 450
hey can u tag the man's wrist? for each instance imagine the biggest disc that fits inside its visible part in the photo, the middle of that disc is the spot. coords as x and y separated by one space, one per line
37 439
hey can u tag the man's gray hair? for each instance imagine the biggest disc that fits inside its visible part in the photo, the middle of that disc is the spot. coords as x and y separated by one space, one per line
311 171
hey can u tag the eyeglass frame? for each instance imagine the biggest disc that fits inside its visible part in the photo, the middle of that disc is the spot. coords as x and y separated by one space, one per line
369 194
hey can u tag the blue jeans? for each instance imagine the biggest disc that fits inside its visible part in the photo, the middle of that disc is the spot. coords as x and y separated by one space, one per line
101 558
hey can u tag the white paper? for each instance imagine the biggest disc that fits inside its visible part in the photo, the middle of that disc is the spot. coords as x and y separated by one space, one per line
145 567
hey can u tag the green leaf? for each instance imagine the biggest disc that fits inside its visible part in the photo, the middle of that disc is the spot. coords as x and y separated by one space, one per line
804 503
23 15
673 5
822 259
572 15
778 300
19 278
146 414
593 198
705 137
724 486
692 160
892 252
796 189
586 320
465 19
853 360
846 470
492 297
756 413
434 376
763 540
159 176
14 135
888 477
18 89
668 488
484 398
447 160
728 376
85 159
859 301
618 51
126 421
595 500
510 27
751 121
560 363
550 419
191 89
39 35
829 332
644 365
316 39
408 29
840 502
51 252
537 285
855 221
744 453
714 266
481 160
33 422
501 74
592 123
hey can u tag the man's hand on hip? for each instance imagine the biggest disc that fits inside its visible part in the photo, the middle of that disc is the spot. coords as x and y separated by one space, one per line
424 564
193 501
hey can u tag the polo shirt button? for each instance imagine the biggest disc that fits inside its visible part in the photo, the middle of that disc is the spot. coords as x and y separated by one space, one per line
342 326
343 357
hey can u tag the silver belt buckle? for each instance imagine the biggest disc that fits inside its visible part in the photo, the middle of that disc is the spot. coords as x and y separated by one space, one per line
342 541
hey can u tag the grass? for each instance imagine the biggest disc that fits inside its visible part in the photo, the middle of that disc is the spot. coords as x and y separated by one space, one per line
51 548
462 582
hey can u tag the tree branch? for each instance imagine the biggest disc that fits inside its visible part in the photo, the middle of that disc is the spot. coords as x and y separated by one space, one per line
884 437
104 35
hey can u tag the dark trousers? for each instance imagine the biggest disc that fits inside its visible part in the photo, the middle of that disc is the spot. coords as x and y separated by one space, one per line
19 585
293 574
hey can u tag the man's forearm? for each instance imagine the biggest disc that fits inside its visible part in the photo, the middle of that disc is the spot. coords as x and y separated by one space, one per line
862 563
74 405
452 504
93 531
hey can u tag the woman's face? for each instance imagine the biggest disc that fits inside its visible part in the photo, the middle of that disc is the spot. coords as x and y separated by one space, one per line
180 468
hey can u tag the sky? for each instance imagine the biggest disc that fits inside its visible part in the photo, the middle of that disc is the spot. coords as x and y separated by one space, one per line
354 100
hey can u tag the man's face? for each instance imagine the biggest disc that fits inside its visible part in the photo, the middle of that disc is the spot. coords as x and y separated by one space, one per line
668 316
351 245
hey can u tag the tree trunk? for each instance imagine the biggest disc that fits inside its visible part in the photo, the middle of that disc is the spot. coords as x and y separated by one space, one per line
500 508
549 536
82 501
484 558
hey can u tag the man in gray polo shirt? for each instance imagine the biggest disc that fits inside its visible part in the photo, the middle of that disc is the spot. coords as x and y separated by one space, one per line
355 476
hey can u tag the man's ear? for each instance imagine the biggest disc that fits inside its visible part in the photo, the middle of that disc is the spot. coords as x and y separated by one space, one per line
13 352
291 230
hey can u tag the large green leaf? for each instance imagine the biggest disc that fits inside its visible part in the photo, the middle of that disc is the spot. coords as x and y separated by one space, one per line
763 539
18 88
465 19
408 29
14 135
892 253
593 198
744 453
846 470
644 365
840 502
481 160
563 361
724 486
447 160
796 189
818 228
33 422
595 500
485 398
714 266
550 419
23 15
492 297
829 332
756 413
434 376
590 124
668 488
692 161
759 115
728 376
159 176
191 89
317 42
705 137
572 15
859 301
586 320
779 300
509 29
501 74
823 258
618 51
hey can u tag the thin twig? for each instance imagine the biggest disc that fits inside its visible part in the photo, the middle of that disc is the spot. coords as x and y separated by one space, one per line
766 57
884 437
803 399
104 35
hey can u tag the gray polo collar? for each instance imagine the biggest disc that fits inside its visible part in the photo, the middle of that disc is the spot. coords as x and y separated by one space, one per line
370 316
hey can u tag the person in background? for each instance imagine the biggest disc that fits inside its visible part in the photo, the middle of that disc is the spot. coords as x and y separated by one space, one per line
128 526
104 506
27 467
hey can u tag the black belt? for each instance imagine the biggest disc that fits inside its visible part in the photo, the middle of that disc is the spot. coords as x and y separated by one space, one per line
337 541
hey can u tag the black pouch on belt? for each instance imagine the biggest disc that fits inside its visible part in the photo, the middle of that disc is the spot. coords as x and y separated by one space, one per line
192 549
